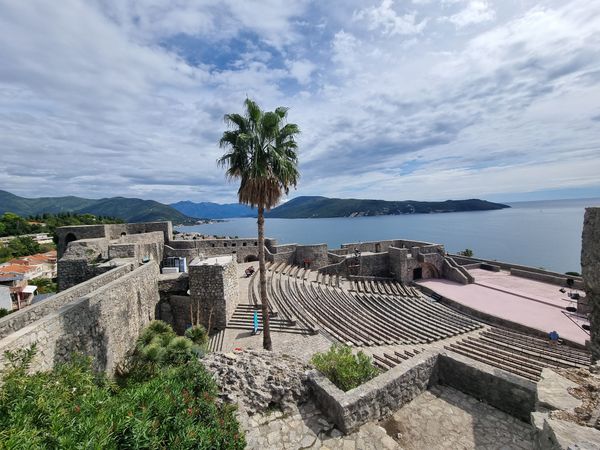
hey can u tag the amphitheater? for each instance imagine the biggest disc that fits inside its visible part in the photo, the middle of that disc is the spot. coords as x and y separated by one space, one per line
462 343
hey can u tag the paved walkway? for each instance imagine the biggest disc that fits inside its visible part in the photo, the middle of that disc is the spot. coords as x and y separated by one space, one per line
444 418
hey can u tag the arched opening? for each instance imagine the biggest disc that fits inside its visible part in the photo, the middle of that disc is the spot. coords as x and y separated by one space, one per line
251 258
69 238
429 271
123 234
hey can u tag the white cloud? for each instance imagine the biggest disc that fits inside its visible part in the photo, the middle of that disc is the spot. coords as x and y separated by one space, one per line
476 11
95 104
385 18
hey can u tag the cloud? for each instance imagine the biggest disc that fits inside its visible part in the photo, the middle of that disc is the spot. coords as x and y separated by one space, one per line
385 18
476 11
127 98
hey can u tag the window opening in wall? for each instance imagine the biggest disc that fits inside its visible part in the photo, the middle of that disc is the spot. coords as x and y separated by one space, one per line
233 244
212 245
256 244
225 244
243 244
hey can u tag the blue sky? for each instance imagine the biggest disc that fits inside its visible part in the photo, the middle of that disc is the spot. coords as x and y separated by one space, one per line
418 99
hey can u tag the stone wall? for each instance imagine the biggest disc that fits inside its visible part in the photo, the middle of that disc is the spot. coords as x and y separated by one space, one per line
379 397
242 248
388 392
544 278
590 266
26 316
214 290
500 389
493 265
103 323
315 254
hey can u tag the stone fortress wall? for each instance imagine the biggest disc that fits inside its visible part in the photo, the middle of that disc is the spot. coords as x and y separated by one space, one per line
590 267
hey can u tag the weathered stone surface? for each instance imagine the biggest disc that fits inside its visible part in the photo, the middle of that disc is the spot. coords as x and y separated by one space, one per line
259 380
379 397
214 290
103 323
562 435
590 267
505 391
552 392
27 316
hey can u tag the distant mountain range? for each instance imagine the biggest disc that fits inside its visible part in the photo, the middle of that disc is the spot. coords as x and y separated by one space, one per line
128 209
318 207
306 207
214 210
187 213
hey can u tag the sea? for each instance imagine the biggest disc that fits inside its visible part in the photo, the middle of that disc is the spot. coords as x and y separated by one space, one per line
544 234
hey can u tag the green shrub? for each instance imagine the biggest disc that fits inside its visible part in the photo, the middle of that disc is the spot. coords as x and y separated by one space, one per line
197 334
72 407
573 274
158 346
343 368
4 312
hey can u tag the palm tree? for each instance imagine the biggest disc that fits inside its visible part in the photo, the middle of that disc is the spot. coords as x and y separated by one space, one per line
261 153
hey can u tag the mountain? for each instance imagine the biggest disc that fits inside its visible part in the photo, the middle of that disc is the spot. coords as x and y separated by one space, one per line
214 210
128 209
305 207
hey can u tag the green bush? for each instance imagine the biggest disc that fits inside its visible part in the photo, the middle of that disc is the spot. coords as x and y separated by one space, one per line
343 368
72 407
198 335
157 347
4 312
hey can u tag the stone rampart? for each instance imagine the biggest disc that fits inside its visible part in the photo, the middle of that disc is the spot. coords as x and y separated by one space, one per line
103 323
24 317
590 266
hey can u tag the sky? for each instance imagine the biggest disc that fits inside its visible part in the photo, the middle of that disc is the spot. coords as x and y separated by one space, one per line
413 99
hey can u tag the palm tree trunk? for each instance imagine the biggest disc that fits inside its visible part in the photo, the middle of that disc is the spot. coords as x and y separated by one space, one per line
267 345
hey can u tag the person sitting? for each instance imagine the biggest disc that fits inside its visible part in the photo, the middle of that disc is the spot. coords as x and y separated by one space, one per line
249 271
553 336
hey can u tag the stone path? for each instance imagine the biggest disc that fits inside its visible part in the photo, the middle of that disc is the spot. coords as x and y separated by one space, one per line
306 428
444 418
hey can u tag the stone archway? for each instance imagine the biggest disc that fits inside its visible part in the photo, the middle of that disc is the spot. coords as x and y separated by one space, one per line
251 258
69 238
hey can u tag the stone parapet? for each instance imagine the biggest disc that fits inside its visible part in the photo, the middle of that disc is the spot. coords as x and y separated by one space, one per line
377 398
388 392
104 323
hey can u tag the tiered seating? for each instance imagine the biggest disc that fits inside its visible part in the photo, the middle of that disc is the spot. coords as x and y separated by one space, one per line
388 360
361 319
519 353
384 287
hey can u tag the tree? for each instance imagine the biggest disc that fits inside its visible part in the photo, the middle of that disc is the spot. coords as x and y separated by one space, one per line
466 252
261 153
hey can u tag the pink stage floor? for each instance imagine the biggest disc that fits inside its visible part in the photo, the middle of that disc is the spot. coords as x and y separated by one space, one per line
531 303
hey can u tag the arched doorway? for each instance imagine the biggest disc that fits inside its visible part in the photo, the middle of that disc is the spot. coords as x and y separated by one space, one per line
251 258
70 237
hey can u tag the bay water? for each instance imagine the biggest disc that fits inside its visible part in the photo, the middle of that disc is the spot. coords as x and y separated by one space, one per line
541 234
